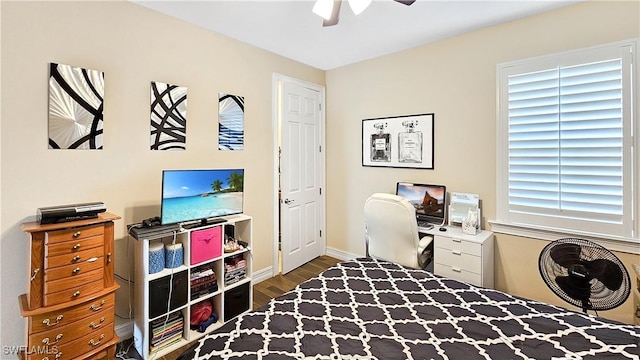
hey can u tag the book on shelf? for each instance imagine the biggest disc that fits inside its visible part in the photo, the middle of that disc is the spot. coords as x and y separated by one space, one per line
199 274
205 279
170 341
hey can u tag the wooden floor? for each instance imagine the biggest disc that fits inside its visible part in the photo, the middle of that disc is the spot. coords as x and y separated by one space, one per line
271 288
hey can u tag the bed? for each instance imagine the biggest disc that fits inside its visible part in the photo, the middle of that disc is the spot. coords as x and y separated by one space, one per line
373 309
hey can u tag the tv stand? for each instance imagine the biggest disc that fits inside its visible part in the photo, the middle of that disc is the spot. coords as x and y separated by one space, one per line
206 276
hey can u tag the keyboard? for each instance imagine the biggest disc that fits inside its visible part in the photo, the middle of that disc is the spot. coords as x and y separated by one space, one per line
425 225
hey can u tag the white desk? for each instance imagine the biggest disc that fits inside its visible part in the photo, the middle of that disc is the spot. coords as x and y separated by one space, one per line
459 256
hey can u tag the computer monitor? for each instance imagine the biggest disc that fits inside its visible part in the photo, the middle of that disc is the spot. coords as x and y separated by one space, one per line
429 201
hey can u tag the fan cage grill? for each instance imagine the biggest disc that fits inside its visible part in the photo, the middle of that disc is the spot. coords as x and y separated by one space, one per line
601 298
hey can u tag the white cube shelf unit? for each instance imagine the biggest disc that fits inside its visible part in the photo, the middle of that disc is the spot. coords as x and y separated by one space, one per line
163 297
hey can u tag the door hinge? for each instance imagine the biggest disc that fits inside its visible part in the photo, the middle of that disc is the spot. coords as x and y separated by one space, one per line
320 148
319 106
320 190
320 233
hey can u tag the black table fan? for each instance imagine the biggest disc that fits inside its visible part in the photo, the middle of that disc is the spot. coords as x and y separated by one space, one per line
584 274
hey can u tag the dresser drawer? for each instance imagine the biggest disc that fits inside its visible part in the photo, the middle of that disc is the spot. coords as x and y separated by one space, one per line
464 246
75 292
77 233
458 259
72 331
82 345
67 316
458 274
64 272
75 257
72 247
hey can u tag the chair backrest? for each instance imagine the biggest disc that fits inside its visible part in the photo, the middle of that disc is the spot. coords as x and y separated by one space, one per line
391 229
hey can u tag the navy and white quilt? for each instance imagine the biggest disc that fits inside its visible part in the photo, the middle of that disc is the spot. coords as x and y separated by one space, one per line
372 309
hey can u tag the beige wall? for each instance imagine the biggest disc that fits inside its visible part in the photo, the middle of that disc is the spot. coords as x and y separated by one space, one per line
456 80
133 46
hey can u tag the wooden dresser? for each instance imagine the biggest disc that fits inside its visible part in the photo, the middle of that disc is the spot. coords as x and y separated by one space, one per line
71 299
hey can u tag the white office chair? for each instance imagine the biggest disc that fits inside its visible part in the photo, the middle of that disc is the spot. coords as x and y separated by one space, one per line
391 231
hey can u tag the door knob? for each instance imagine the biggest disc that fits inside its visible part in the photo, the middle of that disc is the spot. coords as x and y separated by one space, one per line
287 201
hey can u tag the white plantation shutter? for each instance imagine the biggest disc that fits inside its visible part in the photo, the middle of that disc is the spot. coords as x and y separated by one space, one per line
567 141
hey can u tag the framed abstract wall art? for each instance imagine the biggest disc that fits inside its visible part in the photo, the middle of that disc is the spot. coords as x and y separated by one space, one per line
399 141
76 104
231 122
168 116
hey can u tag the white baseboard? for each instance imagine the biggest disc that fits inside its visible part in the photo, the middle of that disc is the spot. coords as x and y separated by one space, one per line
341 254
262 275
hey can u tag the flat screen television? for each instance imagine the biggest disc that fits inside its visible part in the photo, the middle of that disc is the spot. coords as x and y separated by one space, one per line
429 200
200 195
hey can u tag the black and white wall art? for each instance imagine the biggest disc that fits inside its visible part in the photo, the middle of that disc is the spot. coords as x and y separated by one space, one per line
168 116
76 103
231 122
398 141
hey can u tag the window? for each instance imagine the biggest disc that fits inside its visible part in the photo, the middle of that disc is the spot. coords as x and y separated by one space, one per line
566 128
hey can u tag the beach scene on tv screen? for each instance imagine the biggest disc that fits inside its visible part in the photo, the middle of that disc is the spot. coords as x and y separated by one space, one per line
200 194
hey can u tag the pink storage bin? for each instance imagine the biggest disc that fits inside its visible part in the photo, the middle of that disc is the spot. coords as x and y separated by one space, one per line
206 244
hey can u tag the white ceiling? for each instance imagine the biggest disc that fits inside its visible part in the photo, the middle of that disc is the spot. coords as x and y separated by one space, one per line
290 29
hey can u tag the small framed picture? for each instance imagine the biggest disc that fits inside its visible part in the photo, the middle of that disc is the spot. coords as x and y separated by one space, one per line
399 141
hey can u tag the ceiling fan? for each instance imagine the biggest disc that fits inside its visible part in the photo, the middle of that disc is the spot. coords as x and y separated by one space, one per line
329 10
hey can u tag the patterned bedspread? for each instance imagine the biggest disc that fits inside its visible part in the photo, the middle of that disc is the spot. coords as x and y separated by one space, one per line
371 309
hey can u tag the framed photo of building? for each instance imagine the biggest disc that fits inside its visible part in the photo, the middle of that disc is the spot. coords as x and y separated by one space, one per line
399 141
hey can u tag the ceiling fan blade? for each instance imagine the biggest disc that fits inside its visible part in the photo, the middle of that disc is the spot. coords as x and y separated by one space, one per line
335 14
566 254
575 288
606 271
406 2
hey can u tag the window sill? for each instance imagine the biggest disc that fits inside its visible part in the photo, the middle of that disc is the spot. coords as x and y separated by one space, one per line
626 245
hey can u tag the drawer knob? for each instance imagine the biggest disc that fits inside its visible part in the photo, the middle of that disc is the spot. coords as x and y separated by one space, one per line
93 307
76 294
94 325
75 258
49 323
76 234
96 343
46 340
456 269
76 247
76 270
456 252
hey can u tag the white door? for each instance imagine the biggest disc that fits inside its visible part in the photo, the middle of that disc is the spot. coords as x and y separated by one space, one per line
301 175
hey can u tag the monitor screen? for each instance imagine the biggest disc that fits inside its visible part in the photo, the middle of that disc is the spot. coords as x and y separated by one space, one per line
429 200
190 195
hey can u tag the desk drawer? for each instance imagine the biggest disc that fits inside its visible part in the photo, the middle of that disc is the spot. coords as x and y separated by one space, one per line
458 259
464 246
64 317
457 274
79 233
